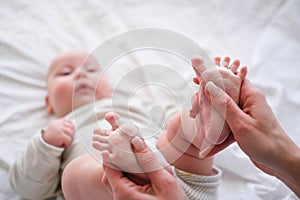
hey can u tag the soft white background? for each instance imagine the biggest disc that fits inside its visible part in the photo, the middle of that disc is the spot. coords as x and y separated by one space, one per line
263 34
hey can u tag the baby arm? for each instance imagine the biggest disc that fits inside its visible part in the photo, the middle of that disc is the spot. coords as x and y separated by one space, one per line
59 133
36 173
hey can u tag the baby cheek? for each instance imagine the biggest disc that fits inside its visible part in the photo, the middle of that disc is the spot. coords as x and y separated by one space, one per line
63 92
103 89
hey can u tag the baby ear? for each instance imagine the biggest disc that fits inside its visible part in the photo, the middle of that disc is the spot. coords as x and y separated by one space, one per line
48 106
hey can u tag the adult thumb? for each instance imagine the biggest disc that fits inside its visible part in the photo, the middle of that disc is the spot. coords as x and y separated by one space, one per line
149 161
224 104
145 156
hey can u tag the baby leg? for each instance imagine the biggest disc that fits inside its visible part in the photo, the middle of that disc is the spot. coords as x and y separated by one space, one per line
81 179
211 126
115 147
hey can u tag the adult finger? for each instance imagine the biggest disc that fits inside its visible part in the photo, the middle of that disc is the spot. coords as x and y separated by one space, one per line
217 148
150 164
195 106
222 102
198 66
105 181
122 187
113 177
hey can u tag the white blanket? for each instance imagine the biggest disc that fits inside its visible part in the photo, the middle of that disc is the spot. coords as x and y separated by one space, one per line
264 34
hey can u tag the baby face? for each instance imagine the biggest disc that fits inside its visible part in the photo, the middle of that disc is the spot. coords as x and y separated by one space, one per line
74 79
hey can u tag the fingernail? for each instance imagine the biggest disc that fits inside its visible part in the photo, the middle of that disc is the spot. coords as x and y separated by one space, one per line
138 143
169 169
203 153
211 88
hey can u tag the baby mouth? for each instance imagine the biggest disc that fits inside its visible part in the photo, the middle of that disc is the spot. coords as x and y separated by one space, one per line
82 87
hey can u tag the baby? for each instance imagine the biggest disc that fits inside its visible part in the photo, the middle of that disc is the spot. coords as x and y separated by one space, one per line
72 82
186 135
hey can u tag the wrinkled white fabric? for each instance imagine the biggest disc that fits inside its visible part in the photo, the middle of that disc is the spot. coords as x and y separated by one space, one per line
264 34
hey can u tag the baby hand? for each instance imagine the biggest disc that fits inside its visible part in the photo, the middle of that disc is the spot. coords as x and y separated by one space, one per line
59 133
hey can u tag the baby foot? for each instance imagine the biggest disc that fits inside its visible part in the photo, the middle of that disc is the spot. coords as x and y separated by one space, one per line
211 126
115 146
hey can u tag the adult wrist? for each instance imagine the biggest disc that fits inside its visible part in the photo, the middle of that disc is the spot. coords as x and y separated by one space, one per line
288 172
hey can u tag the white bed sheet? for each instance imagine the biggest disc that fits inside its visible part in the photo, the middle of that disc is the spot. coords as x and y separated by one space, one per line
264 34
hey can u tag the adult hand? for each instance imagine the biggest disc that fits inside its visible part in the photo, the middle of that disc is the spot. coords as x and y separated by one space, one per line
162 184
256 130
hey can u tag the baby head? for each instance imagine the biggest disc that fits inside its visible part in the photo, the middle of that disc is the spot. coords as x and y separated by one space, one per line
74 79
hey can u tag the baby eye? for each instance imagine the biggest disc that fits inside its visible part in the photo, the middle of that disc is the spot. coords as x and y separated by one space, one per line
91 68
65 72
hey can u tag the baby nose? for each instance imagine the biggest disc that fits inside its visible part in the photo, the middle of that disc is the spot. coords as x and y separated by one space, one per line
80 73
